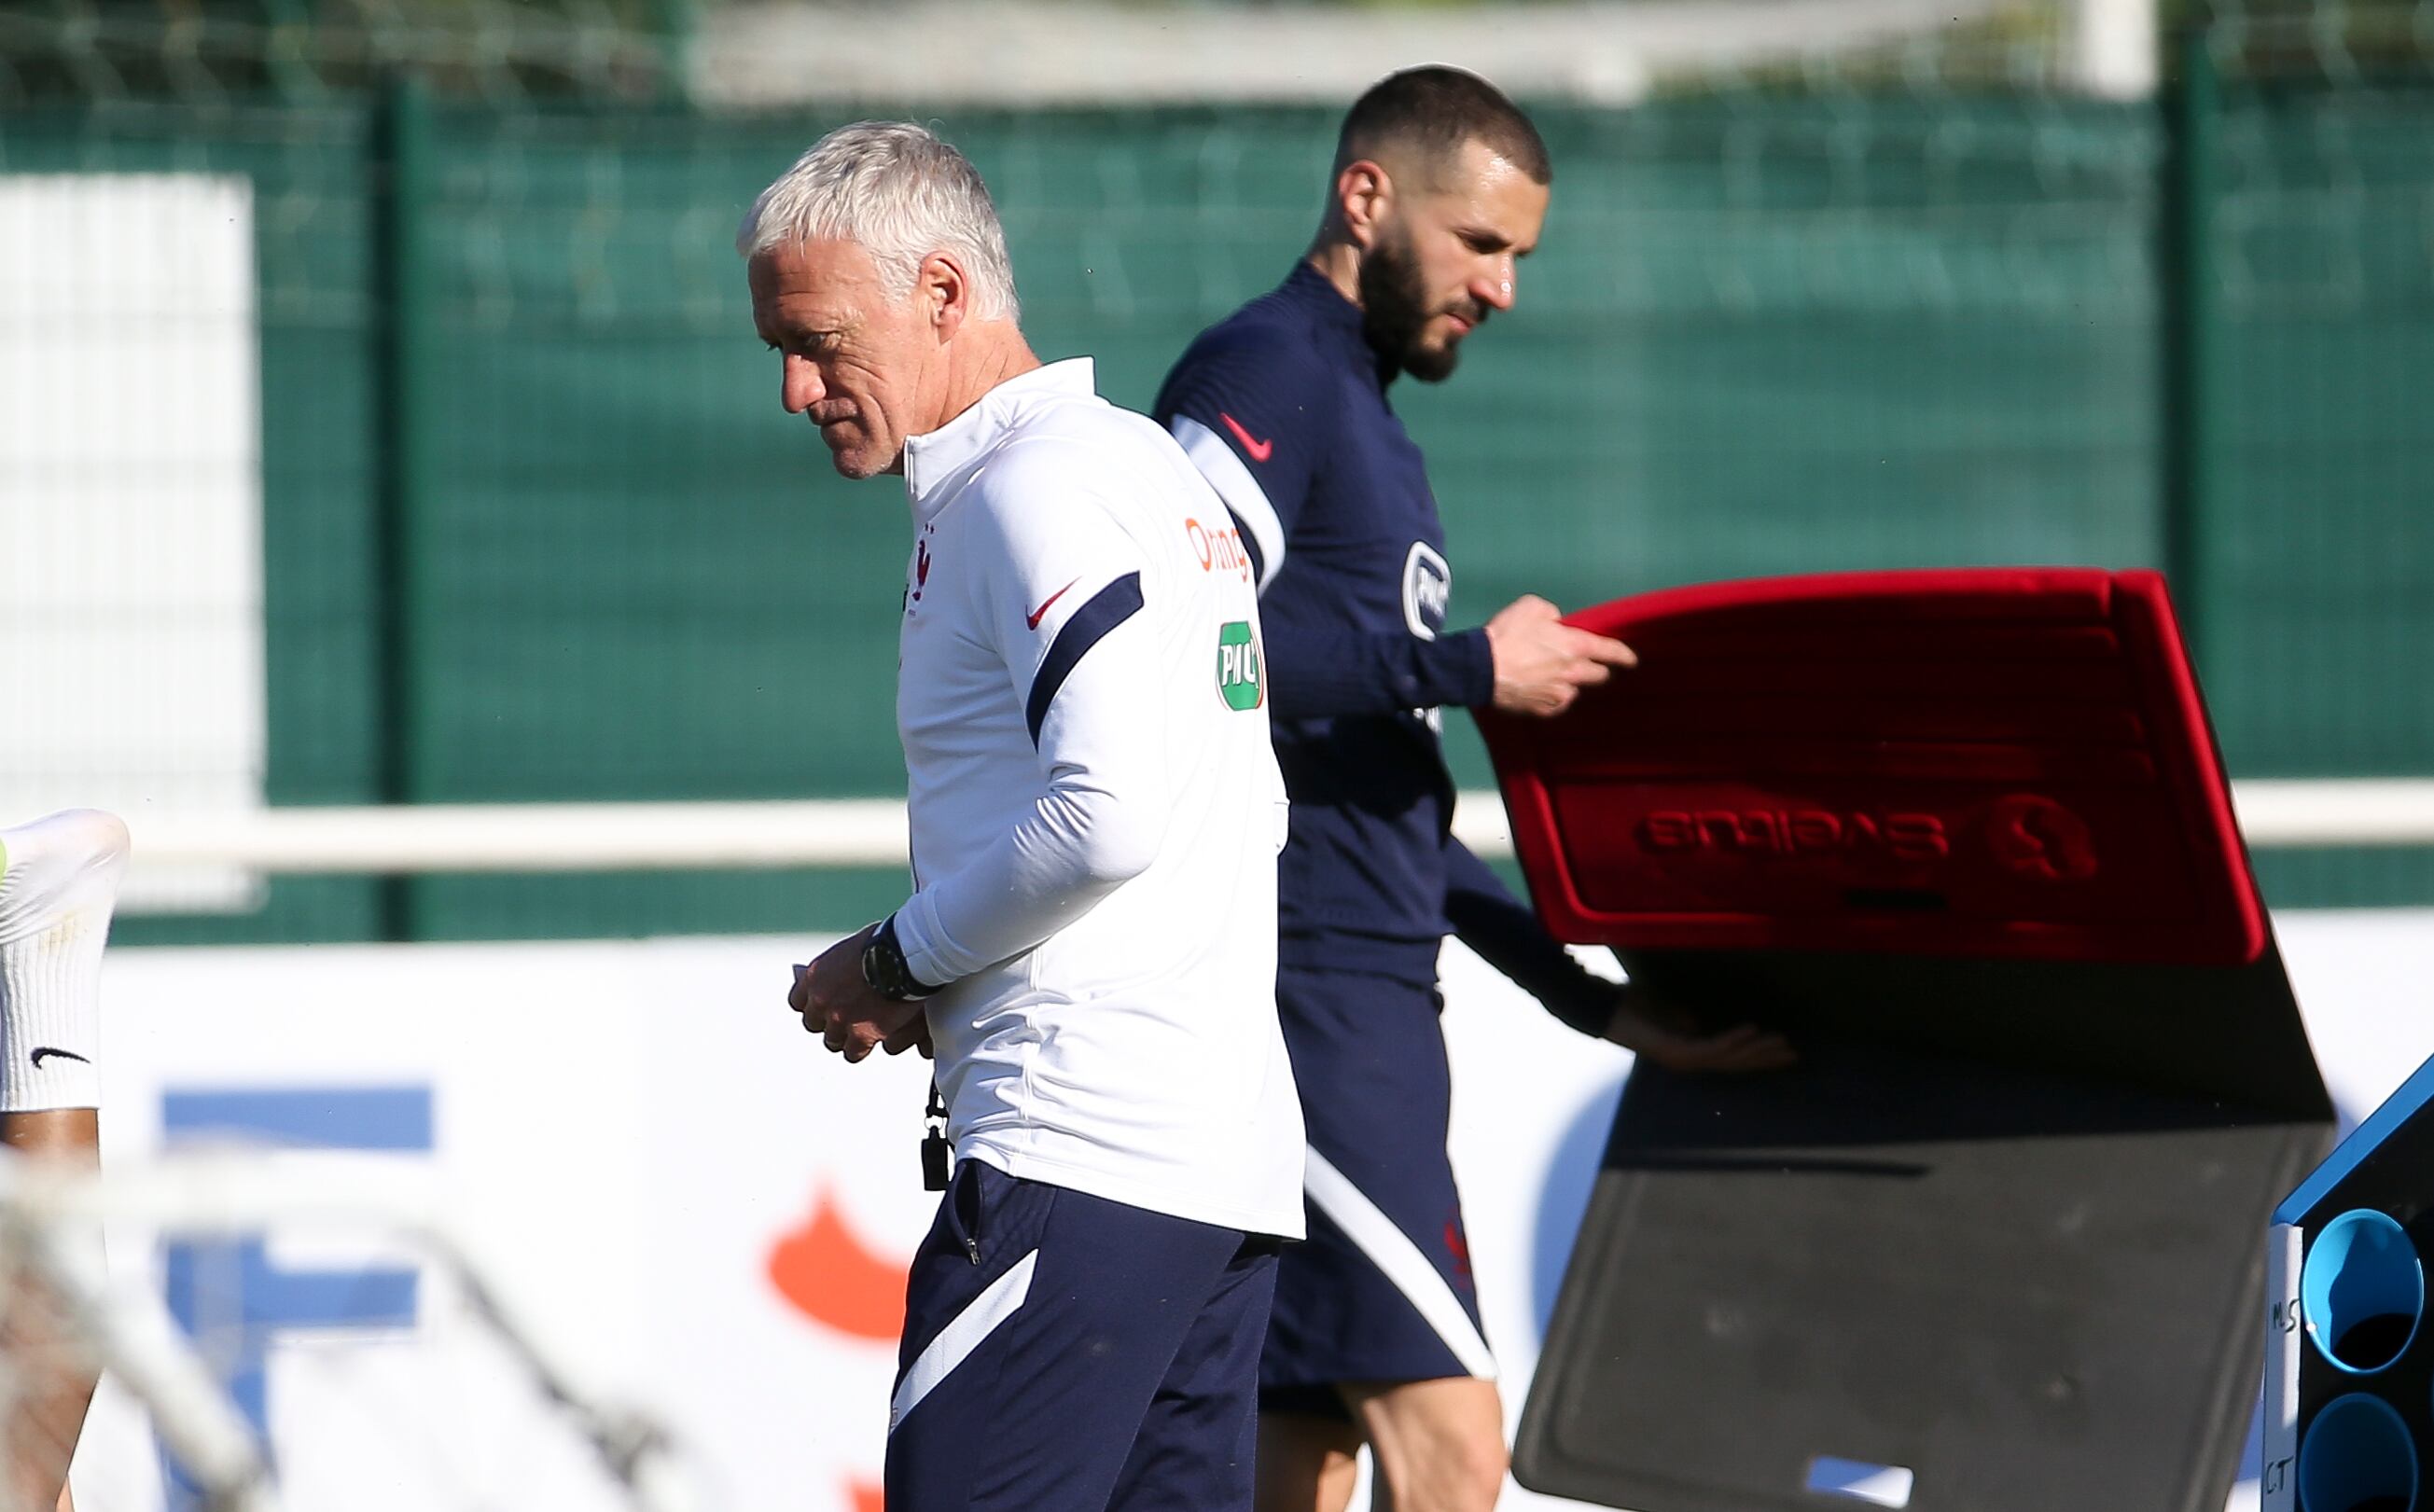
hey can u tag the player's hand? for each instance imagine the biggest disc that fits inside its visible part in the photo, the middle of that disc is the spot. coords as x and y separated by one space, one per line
846 1012
1542 663
1674 1040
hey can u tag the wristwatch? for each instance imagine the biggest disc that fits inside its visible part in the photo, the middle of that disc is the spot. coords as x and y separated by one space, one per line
883 968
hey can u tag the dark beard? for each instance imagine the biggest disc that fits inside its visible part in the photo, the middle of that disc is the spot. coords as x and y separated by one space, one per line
1393 308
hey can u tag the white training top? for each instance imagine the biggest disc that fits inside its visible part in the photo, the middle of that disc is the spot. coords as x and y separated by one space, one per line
1096 811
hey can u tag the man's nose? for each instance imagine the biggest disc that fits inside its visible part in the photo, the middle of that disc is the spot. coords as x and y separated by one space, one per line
800 388
1495 288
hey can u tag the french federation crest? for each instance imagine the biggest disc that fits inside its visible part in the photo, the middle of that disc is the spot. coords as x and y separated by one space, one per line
1427 591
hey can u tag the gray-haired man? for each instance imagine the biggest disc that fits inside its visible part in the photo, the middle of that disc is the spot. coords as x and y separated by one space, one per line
1091 944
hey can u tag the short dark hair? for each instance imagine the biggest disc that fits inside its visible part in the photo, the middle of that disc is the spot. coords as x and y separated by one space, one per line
1432 111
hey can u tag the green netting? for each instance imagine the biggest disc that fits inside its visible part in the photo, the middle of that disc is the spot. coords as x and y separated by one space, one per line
212 52
1765 333
2322 528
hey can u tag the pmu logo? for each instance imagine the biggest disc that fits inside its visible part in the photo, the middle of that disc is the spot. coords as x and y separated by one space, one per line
1237 665
1764 834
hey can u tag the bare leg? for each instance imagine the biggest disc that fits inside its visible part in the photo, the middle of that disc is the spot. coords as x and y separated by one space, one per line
53 1386
58 880
1439 1445
1307 1463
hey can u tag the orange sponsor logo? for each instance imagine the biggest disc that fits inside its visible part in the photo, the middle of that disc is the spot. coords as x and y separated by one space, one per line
823 1267
1220 550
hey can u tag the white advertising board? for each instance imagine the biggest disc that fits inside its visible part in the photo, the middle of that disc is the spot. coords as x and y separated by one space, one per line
712 1214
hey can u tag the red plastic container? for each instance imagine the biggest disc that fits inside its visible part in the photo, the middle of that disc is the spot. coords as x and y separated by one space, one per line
1998 763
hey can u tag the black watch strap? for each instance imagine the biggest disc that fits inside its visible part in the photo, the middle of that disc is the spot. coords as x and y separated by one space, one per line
883 968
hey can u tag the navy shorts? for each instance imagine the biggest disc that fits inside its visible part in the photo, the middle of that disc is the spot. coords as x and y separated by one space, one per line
1381 1290
1065 1351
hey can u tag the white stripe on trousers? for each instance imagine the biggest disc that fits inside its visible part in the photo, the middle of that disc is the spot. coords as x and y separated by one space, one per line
1400 1259
954 1343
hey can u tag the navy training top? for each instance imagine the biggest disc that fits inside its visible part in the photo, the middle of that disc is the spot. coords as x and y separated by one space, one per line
1283 408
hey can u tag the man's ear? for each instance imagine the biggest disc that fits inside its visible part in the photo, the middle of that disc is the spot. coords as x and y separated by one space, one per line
943 293
1364 195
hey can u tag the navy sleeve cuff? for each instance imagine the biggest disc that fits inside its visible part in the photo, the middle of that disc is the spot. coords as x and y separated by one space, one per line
1587 1009
1461 670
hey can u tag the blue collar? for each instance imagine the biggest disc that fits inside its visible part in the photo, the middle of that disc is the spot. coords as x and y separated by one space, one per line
1306 288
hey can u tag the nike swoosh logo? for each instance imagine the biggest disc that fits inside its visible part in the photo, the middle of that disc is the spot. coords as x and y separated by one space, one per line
1258 450
40 1051
1031 620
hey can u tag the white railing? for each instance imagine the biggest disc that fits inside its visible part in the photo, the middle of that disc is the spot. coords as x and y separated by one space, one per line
829 833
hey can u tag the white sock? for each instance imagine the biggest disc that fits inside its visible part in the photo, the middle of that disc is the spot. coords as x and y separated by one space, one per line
58 880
